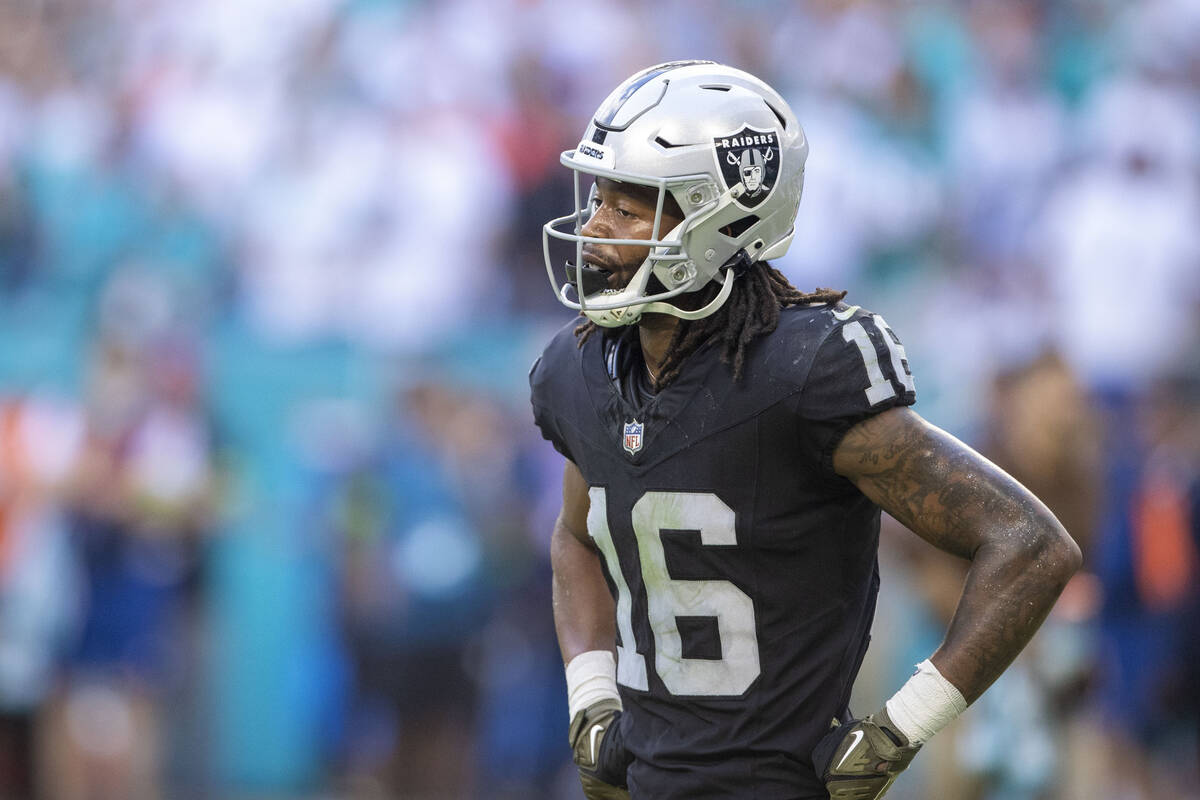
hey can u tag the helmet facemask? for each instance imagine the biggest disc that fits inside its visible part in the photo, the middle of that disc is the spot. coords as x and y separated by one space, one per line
667 271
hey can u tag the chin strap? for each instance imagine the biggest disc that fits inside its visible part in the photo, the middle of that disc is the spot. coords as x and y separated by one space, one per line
739 265
700 313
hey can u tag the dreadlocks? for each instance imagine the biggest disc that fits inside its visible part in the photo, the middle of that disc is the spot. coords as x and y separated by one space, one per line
752 310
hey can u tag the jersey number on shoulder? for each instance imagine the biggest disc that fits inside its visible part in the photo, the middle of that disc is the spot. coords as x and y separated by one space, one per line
881 387
668 599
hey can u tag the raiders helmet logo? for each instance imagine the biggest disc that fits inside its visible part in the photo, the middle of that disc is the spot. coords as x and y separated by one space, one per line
749 157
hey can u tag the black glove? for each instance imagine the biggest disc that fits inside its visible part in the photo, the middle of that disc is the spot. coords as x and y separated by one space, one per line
859 760
595 736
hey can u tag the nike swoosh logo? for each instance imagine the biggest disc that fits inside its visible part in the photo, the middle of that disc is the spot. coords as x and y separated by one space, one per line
845 314
857 738
596 731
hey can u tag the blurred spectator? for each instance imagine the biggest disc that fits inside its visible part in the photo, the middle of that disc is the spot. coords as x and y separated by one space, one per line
413 597
1125 222
1044 433
1006 140
39 584
1148 560
141 499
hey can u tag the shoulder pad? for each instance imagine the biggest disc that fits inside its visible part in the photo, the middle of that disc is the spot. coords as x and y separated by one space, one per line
789 351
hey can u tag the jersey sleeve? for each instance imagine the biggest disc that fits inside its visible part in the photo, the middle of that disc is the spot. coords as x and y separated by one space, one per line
539 388
861 369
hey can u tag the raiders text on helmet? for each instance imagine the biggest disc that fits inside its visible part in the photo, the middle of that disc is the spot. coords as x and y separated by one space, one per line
730 152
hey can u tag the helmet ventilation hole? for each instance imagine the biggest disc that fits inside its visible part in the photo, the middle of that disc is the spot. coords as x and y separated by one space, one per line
736 228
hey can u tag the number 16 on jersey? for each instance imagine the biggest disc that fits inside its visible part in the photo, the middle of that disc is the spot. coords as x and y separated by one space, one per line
668 598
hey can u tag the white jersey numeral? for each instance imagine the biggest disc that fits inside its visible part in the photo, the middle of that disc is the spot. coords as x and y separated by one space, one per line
631 665
881 387
896 350
667 598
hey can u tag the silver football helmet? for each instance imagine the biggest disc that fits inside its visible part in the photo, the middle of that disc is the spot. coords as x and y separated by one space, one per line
730 152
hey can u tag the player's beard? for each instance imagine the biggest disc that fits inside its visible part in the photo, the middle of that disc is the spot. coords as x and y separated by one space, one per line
620 277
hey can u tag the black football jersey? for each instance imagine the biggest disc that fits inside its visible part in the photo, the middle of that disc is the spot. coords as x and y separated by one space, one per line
743 567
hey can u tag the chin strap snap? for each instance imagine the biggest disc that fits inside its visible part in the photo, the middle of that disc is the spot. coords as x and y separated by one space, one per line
739 265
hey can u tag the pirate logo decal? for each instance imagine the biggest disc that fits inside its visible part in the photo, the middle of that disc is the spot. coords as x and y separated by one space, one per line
750 158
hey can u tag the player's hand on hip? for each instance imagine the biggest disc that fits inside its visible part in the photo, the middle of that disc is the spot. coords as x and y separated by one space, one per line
859 760
599 752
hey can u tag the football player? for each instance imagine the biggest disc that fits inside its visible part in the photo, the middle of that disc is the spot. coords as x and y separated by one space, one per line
730 442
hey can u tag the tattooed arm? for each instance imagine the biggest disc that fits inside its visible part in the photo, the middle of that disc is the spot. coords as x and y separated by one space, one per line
958 501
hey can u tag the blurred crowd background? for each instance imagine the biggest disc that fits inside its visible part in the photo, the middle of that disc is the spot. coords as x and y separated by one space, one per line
273 515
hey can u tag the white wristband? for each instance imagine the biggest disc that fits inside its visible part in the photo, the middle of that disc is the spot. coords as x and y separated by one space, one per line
925 704
591 677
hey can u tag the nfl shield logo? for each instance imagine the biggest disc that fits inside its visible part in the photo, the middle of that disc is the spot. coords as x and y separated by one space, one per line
633 436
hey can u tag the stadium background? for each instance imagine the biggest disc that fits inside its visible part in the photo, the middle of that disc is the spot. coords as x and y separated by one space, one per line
273 515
